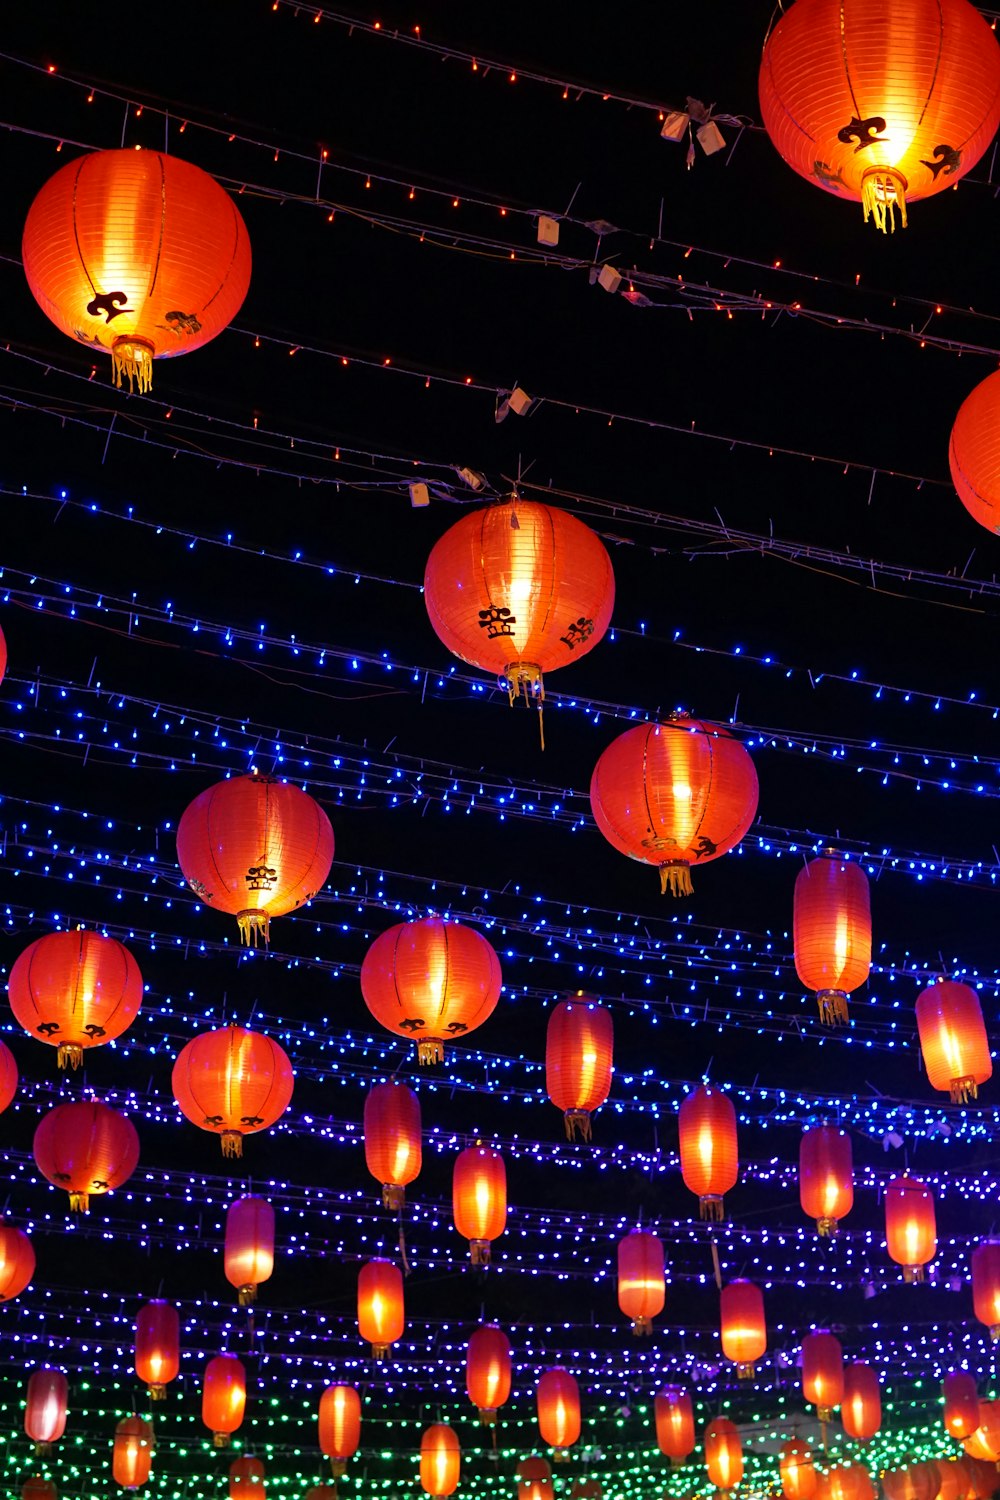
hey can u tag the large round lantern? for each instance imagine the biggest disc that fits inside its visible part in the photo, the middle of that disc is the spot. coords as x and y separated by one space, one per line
39 1489
8 1076
641 1281
223 1397
832 931
339 1425
910 1226
479 1199
674 1417
45 1407
488 1371
255 848
743 1326
579 1042
232 1082
157 1347
826 1176
558 1409
953 1039
797 1471
974 453
708 1148
75 990
961 1404
440 1460
246 1478
861 1408
723 1454
986 1285
674 795
881 101
132 1453
392 1139
534 1480
136 253
822 1372
380 1305
87 1148
431 981
249 1245
17 1261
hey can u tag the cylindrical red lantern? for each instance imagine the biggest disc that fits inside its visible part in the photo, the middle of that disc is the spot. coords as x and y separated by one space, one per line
339 1425
674 1418
86 1148
953 1039
914 1482
861 1408
431 981
249 1250
45 1407
479 1199
132 1453
709 1148
232 1082
984 1444
579 1044
954 1479
255 848
223 1397
440 1460
832 931
982 1478
75 990
822 1372
8 1081
826 1176
797 1471
157 1347
743 1326
674 795
488 1371
39 1489
380 1305
848 1482
986 1285
961 1404
641 1281
392 1139
558 1408
723 1454
534 1480
246 1477
17 1261
910 1226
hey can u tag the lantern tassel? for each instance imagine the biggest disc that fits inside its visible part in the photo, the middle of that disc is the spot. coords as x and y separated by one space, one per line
157 1391
827 1228
133 358
913 1273
479 1251
676 877
963 1089
379 1351
220 1439
393 1196
560 1456
79 1203
69 1055
252 922
430 1051
642 1326
232 1143
882 191
711 1207
487 1416
832 1007
745 1372
577 1120
247 1294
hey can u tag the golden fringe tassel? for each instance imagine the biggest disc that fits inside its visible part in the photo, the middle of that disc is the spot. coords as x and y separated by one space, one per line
133 358
882 192
480 1252
994 1332
832 1007
560 1456
393 1196
677 877
430 1051
963 1089
232 1143
247 1294
69 1055
577 1120
525 677
746 1372
79 1203
157 1392
379 1351
252 922
827 1228
338 1467
711 1207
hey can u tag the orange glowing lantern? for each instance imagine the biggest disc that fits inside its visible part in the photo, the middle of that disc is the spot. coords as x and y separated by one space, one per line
822 1372
75 990
982 1478
249 1248
17 1261
431 981
380 1305
881 101
832 931
132 1453
744 1328
223 1397
709 1148
45 1407
246 1477
961 1403
984 1444
826 1176
157 1347
861 1408
558 1409
986 1285
954 1478
910 1226
339 1425
847 1482
579 1042
953 1039
488 1371
255 848
86 1148
797 1471
392 1139
674 1418
39 1489
479 1199
641 1282
674 795
8 1076
322 1492
440 1460
914 1482
534 1480
232 1082
974 453
723 1454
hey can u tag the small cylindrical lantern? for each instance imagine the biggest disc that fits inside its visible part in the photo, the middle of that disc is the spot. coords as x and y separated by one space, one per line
797 1471
953 1040
579 1046
723 1454
559 1410
132 1453
910 1226
246 1478
157 1347
380 1305
822 1372
339 1425
709 1149
488 1371
674 1417
861 1408
534 1480
986 1285
223 1397
744 1329
440 1460
961 1404
832 931
45 1407
641 1282
249 1255
479 1199
392 1139
826 1176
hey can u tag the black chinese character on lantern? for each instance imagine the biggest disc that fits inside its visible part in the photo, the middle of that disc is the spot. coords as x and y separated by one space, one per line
260 877
578 633
496 621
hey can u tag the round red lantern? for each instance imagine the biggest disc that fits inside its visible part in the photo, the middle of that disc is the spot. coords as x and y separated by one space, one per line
431 981
954 1479
232 1082
984 1444
534 1480
674 795
961 1404
743 1326
488 1371
380 1305
674 1418
974 453
223 1397
75 990
723 1454
558 1408
39 1489
17 1261
440 1460
822 1372
479 1199
8 1076
914 1482
910 1226
641 1281
708 1148
953 1039
132 1453
826 1176
986 1285
339 1425
861 1408
798 1474
246 1477
982 1478
848 1482
832 931
86 1148
249 1246
392 1139
157 1347
579 1041
45 1407
881 101
255 848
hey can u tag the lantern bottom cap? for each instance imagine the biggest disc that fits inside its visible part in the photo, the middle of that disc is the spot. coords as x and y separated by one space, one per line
133 359
826 1227
479 1252
913 1273
711 1207
232 1142
220 1439
69 1055
430 1050
642 1326
487 1416
832 1007
252 922
247 1294
577 1120
963 1089
883 190
393 1195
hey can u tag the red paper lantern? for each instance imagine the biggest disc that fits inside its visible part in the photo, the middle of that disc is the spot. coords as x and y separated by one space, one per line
861 1408
157 1347
822 1373
339 1425
961 1404
982 1478
723 1454
910 1226
798 1474
440 1460
86 1148
45 1407
954 1478
674 795
136 253
479 1199
39 1489
249 1249
534 1480
641 1282
984 1444
974 453
17 1261
558 1408
743 1326
431 981
246 1477
223 1397
255 848
914 1482
674 1418
75 990
881 101
232 1082
132 1453
708 1148
826 1176
953 1039
380 1305
848 1482
488 1371
8 1076
832 931
986 1285
392 1139
579 1042
322 1492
